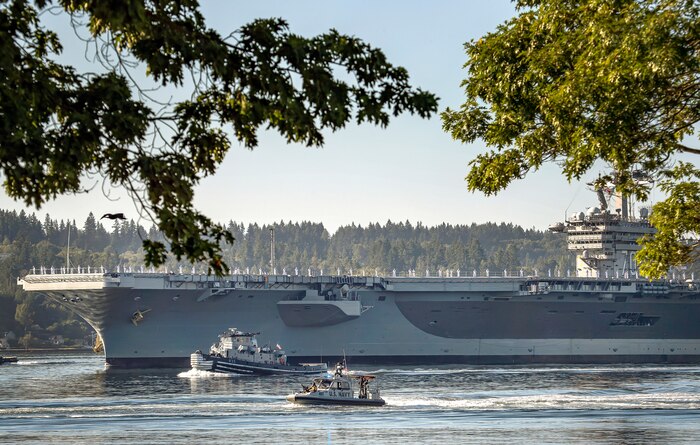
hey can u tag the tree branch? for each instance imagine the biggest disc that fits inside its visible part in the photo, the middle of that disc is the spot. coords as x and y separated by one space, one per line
685 149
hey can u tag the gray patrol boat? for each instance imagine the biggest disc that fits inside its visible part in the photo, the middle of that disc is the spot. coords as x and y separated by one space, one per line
603 312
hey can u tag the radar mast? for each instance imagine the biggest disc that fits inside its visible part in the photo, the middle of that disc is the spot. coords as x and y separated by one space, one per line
605 242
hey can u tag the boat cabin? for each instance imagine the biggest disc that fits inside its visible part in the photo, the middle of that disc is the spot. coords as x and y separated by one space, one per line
244 346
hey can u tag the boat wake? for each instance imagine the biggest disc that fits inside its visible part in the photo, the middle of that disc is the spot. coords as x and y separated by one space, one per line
419 371
666 401
199 374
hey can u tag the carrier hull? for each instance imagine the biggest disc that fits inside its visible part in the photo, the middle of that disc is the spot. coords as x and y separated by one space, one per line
157 320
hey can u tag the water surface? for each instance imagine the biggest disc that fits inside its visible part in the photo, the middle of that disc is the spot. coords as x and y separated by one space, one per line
71 398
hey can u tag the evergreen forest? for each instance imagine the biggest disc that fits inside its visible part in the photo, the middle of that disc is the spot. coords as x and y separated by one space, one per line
401 248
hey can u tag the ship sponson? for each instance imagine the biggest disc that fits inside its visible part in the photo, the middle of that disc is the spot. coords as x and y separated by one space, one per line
152 319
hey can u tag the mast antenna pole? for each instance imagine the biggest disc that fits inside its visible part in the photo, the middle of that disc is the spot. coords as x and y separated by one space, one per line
272 249
68 250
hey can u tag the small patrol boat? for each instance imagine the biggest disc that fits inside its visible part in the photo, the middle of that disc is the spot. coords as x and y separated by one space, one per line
7 359
238 352
339 389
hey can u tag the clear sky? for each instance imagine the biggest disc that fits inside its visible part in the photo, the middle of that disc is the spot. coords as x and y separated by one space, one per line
410 170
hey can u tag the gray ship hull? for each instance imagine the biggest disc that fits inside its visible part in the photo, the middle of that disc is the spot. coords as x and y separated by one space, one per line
157 320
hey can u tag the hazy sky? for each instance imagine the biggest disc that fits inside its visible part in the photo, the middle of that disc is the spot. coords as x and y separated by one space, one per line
410 170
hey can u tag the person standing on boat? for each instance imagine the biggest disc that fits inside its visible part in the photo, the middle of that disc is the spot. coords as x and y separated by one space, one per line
364 382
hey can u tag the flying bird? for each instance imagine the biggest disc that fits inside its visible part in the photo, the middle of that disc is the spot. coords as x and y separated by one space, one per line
113 216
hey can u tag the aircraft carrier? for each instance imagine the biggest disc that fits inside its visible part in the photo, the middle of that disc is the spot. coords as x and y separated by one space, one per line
602 312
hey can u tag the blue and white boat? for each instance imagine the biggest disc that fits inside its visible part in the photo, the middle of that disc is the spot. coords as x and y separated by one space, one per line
238 352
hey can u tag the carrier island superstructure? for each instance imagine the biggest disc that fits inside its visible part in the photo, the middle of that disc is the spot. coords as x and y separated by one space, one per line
602 312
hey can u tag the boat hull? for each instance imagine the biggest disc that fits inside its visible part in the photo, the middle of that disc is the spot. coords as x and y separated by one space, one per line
424 321
4 360
307 399
408 360
207 362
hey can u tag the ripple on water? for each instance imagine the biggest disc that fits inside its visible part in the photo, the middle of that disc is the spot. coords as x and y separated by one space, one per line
72 399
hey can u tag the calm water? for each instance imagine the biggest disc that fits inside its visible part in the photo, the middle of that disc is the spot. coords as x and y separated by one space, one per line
70 398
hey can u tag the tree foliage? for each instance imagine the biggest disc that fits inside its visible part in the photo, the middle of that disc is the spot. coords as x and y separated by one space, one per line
59 124
580 81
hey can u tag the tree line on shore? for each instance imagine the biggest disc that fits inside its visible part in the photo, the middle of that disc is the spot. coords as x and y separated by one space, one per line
29 244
